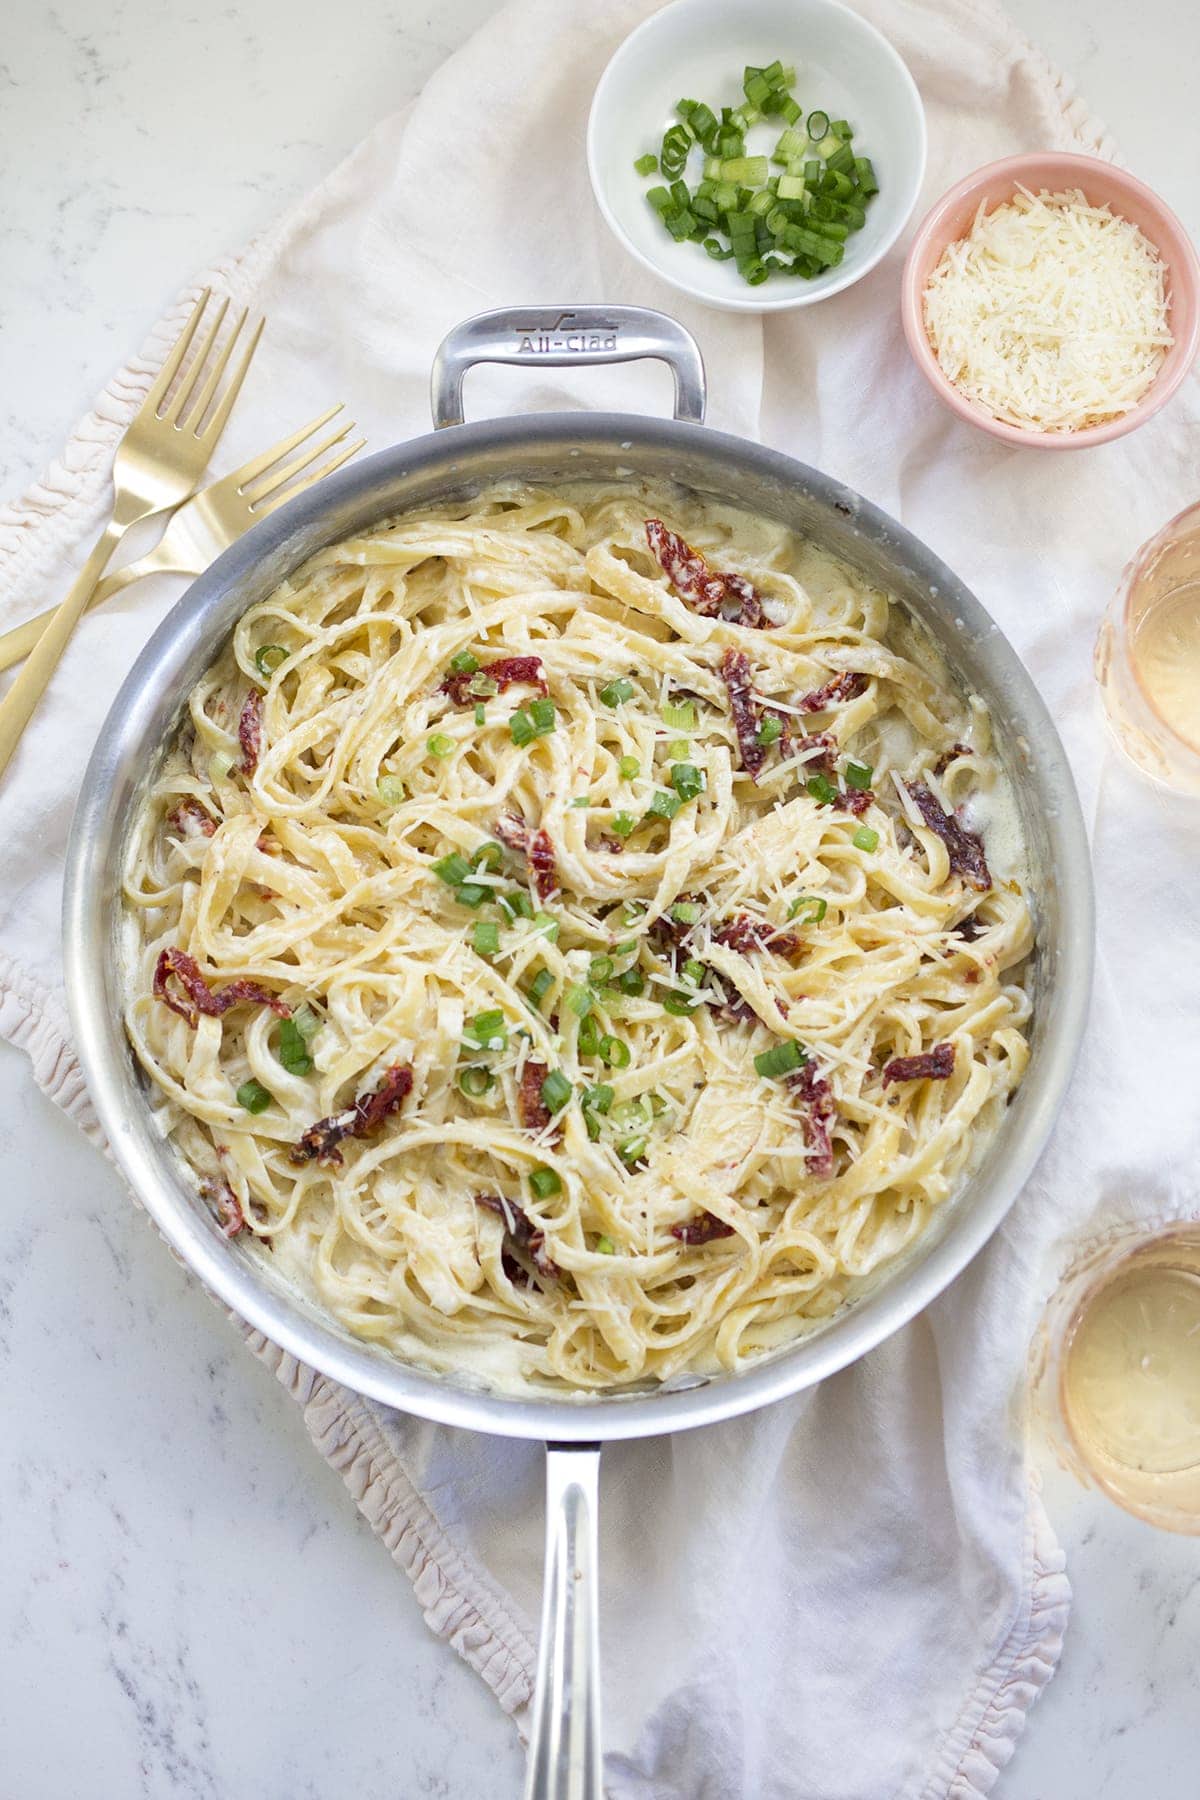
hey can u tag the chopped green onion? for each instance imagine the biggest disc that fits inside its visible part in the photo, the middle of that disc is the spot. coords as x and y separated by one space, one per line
582 800
629 768
693 971
659 198
632 982
615 1053
520 727
613 693
818 126
390 790
293 1050
599 1098
220 764
858 775
545 925
268 658
865 838
600 970
663 805
306 1021
472 894
489 855
623 824
544 1182
483 686
480 713
646 165
780 1059
632 1150
465 663
485 936
440 745
865 172
253 1096
687 781
542 713
810 909
538 988
686 912
588 1036
605 1246
679 715
821 789
486 1030
475 1081
556 1091
680 1006
747 171
678 750
579 999
453 869
517 905
771 730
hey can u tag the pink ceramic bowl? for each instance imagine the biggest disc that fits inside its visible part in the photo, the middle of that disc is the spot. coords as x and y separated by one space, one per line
1101 183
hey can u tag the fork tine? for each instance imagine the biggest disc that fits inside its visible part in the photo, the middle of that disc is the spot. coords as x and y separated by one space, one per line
278 478
269 505
195 411
216 424
167 373
174 414
249 472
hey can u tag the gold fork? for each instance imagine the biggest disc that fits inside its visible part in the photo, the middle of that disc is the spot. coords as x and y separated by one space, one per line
158 462
210 521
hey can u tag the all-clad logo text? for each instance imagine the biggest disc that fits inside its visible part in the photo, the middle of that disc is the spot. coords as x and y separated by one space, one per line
549 337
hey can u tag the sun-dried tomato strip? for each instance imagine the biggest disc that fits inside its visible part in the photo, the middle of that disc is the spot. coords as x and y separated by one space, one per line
838 688
816 1097
963 847
361 1119
190 819
736 674
250 731
532 1110
824 744
744 934
705 590
509 671
524 1234
969 929
226 1205
933 1065
192 995
702 1229
948 756
535 846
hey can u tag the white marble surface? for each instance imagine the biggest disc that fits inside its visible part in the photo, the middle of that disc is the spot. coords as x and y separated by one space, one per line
189 1604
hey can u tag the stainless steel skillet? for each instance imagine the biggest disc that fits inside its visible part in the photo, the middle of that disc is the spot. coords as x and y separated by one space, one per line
553 447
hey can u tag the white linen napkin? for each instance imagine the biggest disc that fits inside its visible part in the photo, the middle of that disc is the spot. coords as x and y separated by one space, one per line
854 1594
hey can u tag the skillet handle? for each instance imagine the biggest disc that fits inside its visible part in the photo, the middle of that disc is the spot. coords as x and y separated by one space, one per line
564 1744
556 336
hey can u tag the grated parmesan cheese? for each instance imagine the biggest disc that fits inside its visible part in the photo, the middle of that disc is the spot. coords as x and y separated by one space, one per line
1051 313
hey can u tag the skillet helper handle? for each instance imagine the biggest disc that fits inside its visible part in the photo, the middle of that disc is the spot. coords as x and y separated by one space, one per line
564 1743
558 336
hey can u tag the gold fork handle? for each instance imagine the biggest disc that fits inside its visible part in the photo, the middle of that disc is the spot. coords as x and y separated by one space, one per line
17 643
20 702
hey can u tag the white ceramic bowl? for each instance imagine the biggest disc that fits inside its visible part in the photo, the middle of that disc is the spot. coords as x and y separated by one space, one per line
698 48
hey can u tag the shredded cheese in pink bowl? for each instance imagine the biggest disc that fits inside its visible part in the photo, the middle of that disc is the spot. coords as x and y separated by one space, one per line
944 254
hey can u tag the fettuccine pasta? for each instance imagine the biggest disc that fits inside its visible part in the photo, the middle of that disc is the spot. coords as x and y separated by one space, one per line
562 936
